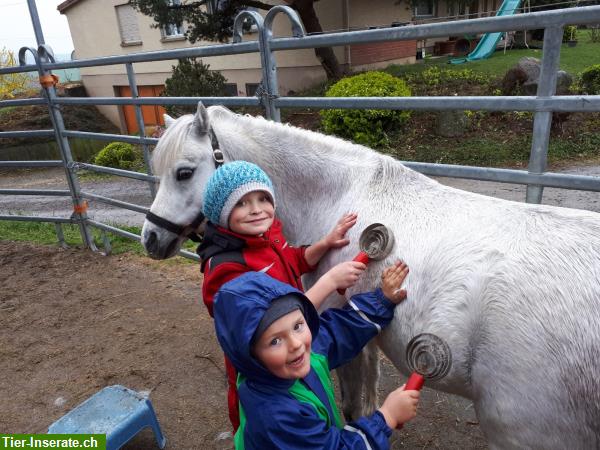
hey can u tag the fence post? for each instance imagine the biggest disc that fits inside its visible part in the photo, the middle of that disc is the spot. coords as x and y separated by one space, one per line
270 68
140 123
35 21
542 122
79 204
43 55
238 27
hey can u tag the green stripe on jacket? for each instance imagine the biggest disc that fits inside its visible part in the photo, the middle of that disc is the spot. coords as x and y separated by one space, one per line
304 395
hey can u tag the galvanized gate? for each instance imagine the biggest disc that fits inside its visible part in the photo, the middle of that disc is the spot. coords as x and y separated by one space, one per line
543 104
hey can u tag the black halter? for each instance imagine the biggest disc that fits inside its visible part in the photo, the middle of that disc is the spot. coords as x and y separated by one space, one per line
189 230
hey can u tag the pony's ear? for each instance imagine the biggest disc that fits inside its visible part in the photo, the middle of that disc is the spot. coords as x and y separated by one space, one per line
200 122
168 120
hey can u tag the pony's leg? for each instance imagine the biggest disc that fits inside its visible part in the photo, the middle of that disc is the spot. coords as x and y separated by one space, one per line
357 377
351 387
371 380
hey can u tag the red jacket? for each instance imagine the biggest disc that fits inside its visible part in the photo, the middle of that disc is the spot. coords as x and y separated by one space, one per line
226 255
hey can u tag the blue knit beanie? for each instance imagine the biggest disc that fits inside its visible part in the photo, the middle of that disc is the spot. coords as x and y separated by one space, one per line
228 185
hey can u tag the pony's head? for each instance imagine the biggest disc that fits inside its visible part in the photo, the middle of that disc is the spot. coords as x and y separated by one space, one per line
184 159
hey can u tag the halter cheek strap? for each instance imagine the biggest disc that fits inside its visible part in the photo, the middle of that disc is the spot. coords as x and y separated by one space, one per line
179 230
190 230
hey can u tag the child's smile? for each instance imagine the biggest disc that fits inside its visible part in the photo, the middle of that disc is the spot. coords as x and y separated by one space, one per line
297 362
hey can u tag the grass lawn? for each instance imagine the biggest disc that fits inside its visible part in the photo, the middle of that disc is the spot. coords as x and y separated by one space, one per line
44 233
572 59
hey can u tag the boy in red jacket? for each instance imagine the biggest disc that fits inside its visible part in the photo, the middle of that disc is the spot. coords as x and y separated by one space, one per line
244 235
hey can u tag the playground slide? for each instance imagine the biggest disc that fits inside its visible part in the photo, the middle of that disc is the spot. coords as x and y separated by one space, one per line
489 41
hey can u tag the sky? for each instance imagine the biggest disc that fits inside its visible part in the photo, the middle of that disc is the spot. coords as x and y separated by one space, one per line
16 30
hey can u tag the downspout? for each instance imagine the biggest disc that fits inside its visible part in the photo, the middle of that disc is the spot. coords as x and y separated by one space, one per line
346 13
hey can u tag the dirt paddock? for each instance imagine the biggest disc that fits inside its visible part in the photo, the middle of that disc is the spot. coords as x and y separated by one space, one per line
73 322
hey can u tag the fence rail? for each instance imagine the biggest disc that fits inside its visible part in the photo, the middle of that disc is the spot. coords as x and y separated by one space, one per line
543 104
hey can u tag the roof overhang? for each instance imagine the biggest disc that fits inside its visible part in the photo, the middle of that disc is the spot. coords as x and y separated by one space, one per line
66 5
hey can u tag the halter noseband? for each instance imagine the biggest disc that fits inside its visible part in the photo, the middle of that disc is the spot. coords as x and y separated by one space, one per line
190 230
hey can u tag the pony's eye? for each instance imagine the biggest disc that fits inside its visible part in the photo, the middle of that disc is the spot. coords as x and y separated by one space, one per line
184 174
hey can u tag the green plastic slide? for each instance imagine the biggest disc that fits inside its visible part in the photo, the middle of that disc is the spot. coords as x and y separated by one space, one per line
489 41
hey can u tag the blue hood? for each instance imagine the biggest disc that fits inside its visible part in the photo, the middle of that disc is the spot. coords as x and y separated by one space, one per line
239 307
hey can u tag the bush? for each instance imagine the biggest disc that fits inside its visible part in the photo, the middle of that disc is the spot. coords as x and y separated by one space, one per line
13 83
192 78
366 127
590 80
119 155
437 81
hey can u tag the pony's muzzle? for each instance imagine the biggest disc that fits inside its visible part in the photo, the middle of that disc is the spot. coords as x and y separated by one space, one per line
155 250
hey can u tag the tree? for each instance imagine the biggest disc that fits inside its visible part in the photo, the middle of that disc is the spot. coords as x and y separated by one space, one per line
11 83
213 20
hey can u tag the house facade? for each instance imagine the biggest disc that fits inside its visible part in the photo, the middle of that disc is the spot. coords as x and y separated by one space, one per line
124 30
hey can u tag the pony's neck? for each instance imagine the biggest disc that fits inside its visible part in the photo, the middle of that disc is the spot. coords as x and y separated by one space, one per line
308 170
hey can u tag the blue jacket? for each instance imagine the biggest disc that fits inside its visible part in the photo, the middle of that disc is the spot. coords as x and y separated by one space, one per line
298 414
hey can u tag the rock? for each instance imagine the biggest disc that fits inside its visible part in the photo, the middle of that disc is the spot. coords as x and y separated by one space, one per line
513 80
564 81
524 78
451 123
531 66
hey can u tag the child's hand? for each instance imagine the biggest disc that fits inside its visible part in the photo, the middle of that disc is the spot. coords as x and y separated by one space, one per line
345 275
337 237
400 407
392 278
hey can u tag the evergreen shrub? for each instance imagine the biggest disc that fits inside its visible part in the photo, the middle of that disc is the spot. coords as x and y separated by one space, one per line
119 155
367 127
590 80
192 78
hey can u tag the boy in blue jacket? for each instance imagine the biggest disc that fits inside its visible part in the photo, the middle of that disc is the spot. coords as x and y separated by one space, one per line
284 351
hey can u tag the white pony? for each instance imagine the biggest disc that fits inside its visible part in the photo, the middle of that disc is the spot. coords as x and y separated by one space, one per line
513 288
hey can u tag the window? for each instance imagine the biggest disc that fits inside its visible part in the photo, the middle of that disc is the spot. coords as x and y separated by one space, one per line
456 9
128 25
424 8
173 30
251 89
231 90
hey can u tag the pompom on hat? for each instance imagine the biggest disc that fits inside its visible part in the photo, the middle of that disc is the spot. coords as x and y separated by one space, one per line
228 185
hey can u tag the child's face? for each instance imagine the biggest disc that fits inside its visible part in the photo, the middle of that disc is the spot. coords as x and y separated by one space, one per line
252 215
284 347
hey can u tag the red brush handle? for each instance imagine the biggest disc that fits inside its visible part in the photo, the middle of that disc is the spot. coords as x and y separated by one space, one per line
361 257
414 383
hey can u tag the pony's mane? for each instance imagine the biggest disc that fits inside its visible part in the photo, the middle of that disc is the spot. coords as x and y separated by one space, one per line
346 151
170 146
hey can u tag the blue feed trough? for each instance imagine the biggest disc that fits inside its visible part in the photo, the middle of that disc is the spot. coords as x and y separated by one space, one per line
116 411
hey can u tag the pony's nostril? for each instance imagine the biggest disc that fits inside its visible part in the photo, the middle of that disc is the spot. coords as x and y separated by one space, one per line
150 243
